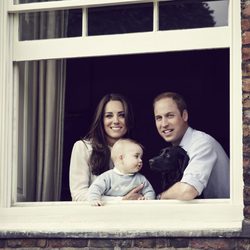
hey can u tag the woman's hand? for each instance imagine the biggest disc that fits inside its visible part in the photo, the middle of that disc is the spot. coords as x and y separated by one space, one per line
134 194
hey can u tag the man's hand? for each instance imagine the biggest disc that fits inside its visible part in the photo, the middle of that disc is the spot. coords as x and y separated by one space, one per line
134 194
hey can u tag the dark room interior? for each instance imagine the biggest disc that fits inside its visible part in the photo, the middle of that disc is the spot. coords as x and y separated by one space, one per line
201 76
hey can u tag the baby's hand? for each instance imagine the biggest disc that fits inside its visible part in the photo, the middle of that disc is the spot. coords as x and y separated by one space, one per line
96 203
142 198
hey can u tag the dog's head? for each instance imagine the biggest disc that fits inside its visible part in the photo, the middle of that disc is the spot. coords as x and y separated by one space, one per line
170 159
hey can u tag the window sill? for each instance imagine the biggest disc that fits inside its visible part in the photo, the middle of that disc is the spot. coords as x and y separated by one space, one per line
132 219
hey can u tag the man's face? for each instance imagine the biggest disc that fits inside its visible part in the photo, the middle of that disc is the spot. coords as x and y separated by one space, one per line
170 123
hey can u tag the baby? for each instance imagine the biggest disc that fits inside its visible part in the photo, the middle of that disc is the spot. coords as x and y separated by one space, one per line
127 157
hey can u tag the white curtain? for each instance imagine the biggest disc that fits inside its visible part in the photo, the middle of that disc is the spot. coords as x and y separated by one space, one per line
41 115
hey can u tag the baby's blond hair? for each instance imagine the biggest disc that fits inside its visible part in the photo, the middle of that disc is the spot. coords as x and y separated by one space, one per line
120 146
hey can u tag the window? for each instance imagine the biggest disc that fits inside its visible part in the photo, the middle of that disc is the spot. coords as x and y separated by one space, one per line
152 39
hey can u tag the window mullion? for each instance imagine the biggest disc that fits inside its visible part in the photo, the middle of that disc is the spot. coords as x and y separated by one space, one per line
121 44
156 16
6 106
72 4
235 104
84 22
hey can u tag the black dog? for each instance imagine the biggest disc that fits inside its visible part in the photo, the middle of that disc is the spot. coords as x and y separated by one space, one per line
171 163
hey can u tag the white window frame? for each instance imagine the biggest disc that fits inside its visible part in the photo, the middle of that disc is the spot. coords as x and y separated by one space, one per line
221 215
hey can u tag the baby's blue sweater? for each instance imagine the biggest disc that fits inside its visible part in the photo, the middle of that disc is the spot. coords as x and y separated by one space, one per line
112 183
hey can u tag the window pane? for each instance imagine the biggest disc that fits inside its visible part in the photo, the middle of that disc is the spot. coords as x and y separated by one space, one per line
32 1
50 24
120 19
74 23
193 14
41 89
140 77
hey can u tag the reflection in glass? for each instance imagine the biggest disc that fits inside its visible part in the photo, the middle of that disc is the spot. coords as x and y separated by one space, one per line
32 1
74 27
50 24
41 94
120 19
192 14
42 25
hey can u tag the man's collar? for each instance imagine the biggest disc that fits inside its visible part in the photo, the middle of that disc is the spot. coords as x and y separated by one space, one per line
186 137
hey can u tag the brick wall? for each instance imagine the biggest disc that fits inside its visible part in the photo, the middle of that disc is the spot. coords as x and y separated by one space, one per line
245 24
174 243
149 243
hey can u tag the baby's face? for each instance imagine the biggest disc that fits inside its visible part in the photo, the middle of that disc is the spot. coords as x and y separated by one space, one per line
132 159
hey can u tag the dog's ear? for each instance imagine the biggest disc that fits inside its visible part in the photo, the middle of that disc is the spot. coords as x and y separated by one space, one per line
185 158
180 150
164 150
185 161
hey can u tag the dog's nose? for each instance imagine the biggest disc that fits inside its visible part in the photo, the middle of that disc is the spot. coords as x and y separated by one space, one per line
151 162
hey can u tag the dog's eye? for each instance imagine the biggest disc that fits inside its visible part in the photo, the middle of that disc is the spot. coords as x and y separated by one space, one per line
162 152
167 155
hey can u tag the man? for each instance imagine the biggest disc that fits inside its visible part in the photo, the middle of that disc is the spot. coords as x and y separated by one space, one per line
207 172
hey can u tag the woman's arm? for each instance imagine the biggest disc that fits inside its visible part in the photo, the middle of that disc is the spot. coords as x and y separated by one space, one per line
79 175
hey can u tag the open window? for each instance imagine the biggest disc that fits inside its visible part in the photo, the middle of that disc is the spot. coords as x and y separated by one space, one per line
67 54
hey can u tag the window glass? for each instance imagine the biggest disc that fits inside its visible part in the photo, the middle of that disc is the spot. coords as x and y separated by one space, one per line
32 1
120 19
40 128
50 24
57 99
192 14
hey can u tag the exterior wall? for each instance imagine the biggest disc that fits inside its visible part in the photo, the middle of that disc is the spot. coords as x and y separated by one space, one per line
149 243
242 242
245 20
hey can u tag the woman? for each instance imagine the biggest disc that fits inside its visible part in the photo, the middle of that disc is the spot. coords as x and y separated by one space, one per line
91 157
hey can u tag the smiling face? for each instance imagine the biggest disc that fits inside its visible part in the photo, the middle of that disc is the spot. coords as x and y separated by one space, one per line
114 121
131 159
170 123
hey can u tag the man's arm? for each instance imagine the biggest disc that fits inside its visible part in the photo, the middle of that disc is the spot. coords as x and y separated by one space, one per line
180 191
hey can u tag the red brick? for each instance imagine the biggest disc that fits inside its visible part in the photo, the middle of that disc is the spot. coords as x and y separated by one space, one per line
244 244
246 84
102 243
246 193
222 244
145 243
246 11
246 163
246 130
245 24
246 117
28 243
162 243
246 38
247 211
246 100
246 147
179 242
245 69
245 54
2 243
59 243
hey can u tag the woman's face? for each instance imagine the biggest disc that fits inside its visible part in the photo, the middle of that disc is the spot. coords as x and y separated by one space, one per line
114 121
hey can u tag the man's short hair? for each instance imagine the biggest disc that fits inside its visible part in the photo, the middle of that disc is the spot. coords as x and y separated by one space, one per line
179 100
